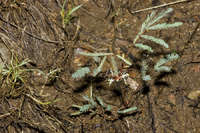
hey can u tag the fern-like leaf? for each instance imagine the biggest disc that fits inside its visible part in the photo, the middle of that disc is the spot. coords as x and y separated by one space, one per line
127 110
94 54
156 40
85 108
158 67
144 47
165 26
90 100
80 72
162 14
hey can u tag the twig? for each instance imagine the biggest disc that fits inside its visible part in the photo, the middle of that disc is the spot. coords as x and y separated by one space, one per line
159 6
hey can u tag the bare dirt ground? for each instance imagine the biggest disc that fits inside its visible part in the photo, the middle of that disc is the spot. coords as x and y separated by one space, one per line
33 29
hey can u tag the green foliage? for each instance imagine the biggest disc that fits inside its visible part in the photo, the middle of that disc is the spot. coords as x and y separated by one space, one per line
100 58
90 100
127 110
66 17
165 26
144 47
82 109
156 40
95 54
148 25
80 72
153 18
85 70
106 107
91 105
170 57
85 108
13 76
14 73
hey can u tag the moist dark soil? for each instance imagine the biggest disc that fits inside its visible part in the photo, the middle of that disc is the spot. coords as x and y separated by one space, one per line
33 29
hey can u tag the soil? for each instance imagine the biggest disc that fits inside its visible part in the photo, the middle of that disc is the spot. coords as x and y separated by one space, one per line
33 29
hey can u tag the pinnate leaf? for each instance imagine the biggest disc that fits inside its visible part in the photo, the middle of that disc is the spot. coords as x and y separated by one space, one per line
144 47
81 72
156 40
165 26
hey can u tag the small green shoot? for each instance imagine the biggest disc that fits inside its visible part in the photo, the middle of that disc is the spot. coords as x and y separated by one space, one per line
66 17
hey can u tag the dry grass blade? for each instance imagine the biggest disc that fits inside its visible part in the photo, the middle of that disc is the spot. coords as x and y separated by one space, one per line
164 5
40 102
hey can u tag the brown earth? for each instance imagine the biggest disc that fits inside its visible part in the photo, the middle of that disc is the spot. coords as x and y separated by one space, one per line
33 29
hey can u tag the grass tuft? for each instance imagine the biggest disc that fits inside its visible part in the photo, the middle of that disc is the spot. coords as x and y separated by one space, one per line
13 75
